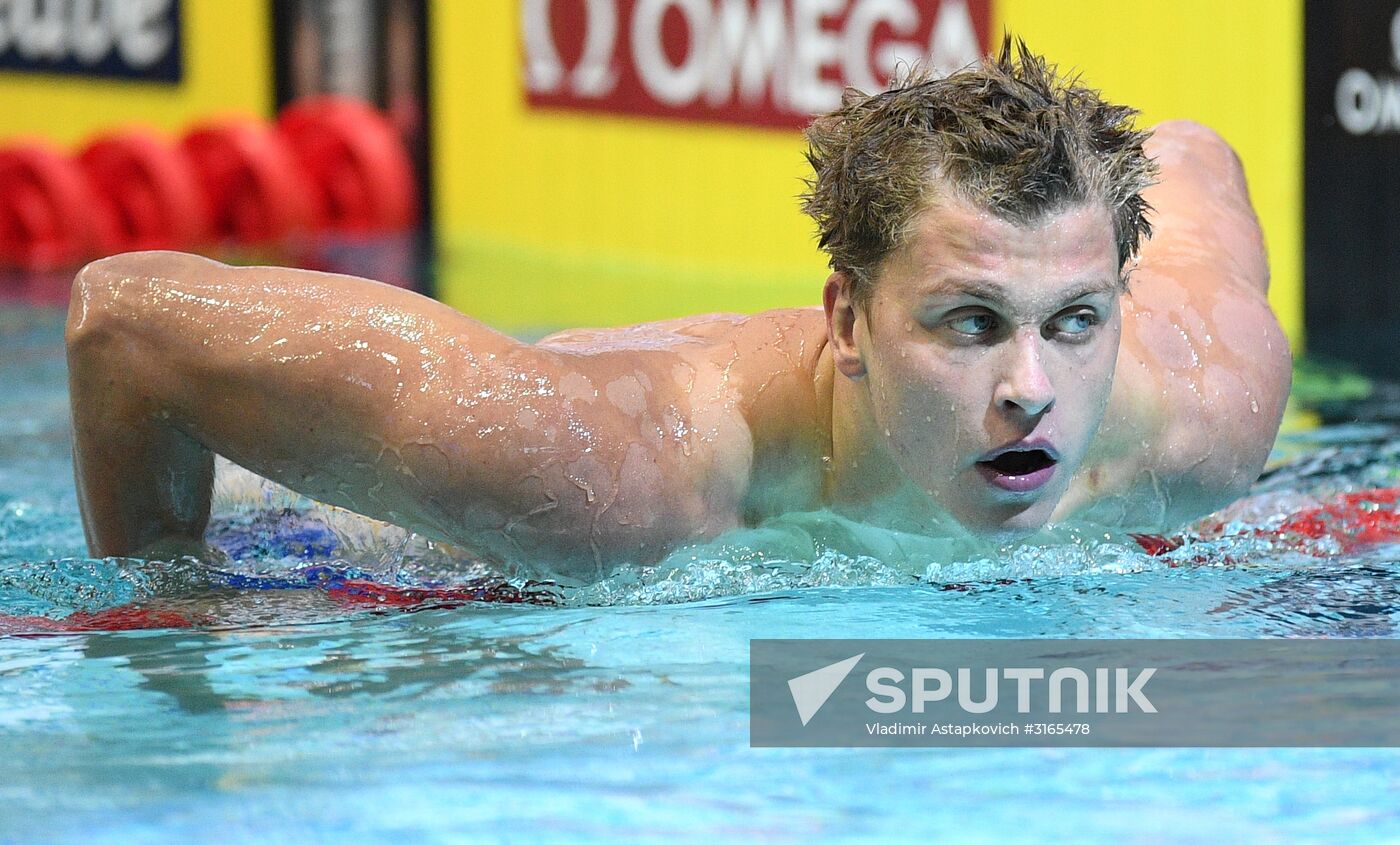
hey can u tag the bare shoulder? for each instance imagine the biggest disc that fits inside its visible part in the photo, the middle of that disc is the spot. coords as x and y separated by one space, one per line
666 426
753 351
772 365
759 375
760 368
1204 369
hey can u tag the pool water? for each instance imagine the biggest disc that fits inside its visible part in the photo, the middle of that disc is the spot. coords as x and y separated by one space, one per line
332 680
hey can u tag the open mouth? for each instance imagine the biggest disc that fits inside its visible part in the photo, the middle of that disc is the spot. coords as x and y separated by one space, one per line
1019 470
1021 462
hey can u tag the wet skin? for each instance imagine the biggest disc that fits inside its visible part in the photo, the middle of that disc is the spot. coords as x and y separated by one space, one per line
594 447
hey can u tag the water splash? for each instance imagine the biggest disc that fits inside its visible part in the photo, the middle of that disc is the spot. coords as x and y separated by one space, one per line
265 529
262 530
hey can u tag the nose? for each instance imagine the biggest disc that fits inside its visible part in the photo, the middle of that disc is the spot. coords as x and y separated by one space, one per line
1024 385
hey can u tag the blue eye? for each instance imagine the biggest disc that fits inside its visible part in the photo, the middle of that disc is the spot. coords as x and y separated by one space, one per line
1077 323
973 324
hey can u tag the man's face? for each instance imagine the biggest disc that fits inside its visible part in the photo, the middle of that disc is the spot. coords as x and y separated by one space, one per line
987 349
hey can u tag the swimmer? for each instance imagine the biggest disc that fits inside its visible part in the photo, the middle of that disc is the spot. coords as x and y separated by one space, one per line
1000 346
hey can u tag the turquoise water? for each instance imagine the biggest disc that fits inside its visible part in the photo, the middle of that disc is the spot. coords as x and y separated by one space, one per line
621 712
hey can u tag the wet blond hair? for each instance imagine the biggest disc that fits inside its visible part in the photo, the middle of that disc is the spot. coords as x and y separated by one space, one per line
1011 136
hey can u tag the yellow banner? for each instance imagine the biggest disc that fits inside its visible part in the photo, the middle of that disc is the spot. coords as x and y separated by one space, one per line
556 217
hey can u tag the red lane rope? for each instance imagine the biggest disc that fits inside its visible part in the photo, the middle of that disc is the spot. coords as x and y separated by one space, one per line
1352 520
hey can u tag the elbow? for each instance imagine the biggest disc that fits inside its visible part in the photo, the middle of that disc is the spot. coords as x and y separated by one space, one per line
92 343
105 292
1201 141
91 303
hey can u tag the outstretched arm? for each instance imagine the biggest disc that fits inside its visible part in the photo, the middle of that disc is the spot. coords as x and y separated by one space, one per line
381 401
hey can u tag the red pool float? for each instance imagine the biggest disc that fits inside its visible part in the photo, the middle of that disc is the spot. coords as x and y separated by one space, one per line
46 209
356 160
253 188
147 194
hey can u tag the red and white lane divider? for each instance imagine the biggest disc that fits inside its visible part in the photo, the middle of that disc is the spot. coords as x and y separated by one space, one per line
326 165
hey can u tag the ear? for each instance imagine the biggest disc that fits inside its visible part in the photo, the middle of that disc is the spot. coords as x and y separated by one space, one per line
841 326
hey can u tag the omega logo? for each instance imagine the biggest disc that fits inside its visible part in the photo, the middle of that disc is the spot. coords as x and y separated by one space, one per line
786 53
1370 105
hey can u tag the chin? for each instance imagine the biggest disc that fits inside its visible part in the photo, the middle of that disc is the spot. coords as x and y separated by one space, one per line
996 516
1015 526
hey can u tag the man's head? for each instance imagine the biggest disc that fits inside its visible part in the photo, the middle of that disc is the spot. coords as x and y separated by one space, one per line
1010 136
978 226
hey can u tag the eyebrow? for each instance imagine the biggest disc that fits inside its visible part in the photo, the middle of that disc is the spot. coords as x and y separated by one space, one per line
994 292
